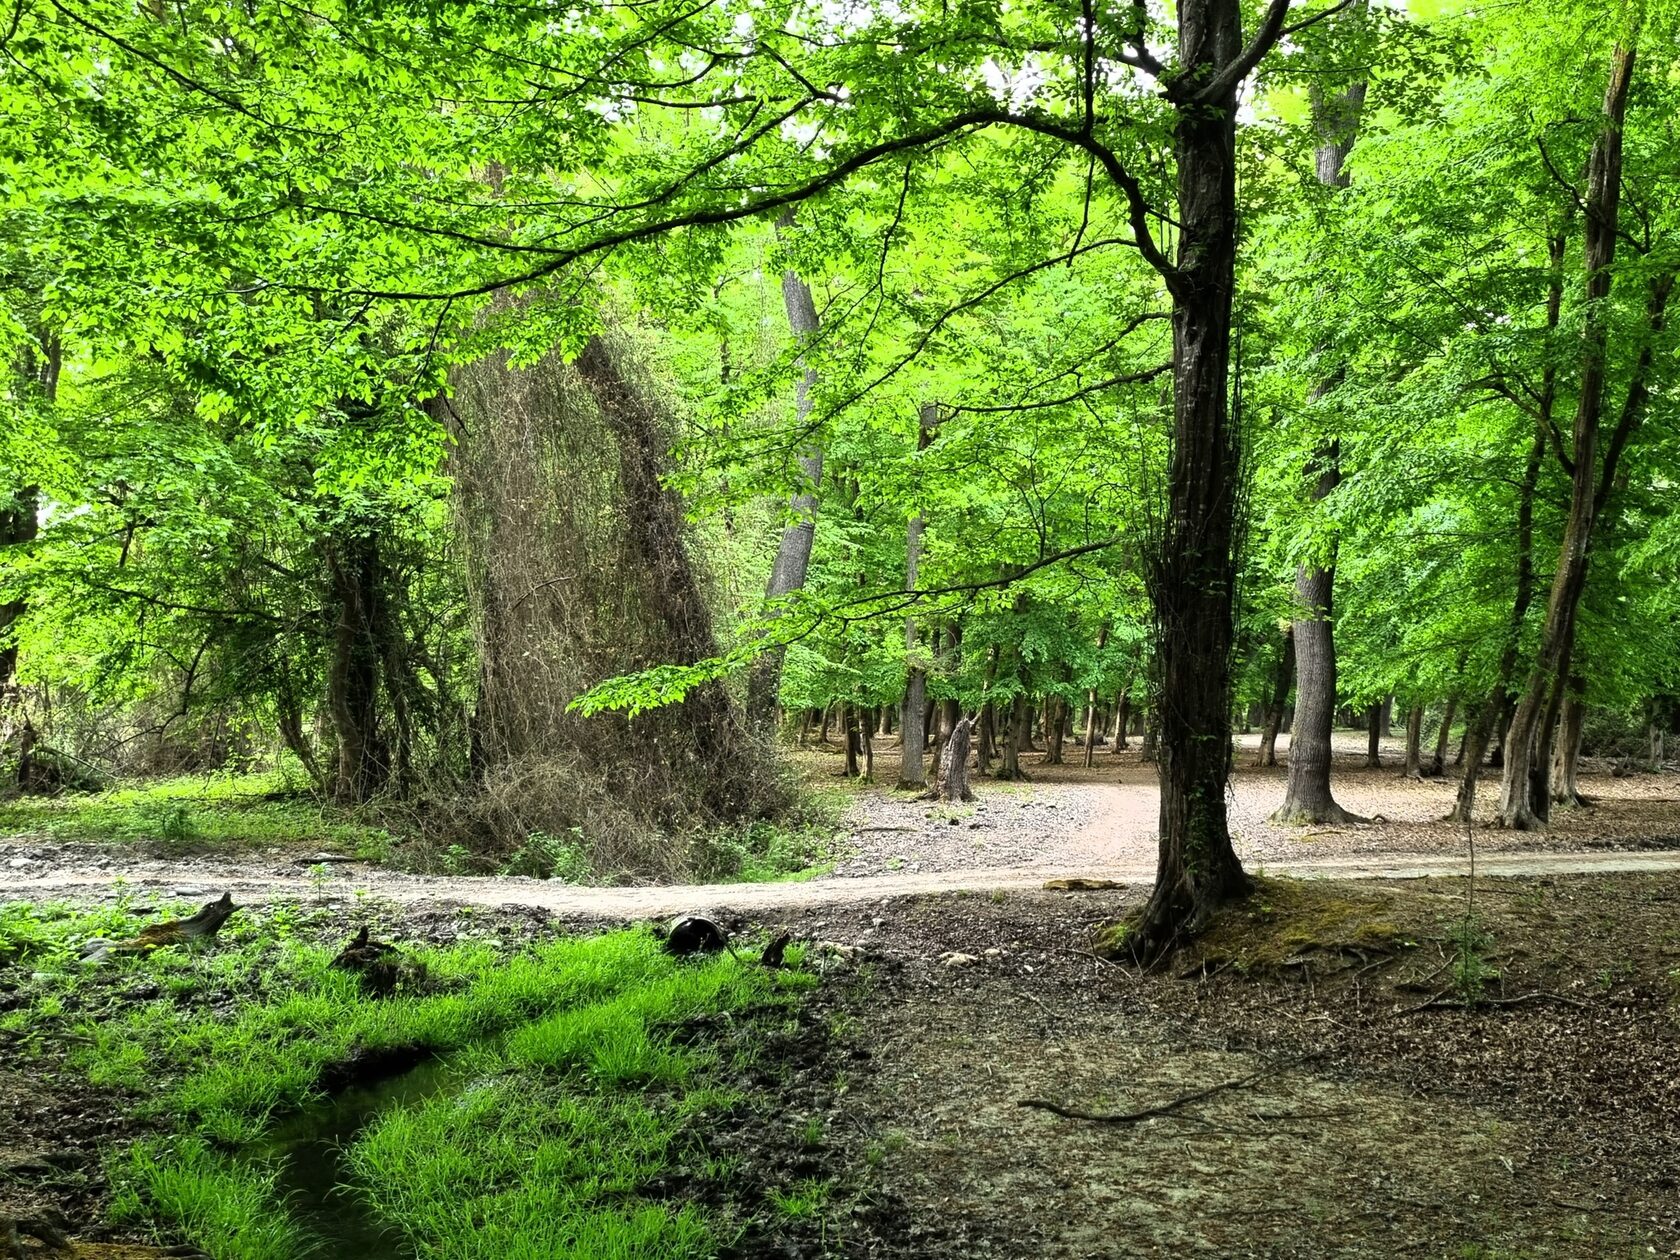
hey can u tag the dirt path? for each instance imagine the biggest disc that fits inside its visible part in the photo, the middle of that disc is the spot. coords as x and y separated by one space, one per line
1068 820
571 900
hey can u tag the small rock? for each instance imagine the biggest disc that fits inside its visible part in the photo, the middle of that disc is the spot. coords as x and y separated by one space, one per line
994 952
187 890
17 864
958 959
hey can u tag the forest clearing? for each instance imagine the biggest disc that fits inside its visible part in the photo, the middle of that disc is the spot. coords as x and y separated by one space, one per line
717 629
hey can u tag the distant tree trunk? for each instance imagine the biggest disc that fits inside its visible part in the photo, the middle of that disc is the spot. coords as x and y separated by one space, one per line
1438 762
827 722
356 581
911 773
1015 738
1373 736
1413 769
985 744
1654 738
793 554
1055 708
1307 798
854 739
1122 719
1567 747
37 381
1524 785
18 528
1149 737
1276 702
806 720
867 741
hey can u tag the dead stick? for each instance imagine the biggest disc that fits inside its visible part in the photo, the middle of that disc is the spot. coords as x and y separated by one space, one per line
1166 1108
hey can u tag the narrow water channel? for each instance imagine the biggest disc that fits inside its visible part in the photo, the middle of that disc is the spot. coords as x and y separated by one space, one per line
314 1172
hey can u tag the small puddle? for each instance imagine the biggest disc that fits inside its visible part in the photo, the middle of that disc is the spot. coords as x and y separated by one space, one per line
311 1146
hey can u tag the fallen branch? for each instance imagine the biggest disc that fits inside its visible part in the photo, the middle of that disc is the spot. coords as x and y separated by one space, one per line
1442 1001
1166 1108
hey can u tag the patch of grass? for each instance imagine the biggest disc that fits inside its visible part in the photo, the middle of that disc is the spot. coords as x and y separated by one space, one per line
222 1205
579 1088
1471 970
802 1200
212 811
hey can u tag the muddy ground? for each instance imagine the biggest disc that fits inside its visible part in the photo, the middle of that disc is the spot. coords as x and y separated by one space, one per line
1365 1112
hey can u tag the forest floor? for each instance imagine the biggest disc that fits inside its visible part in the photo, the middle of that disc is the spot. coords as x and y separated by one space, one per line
1390 1075
1348 1069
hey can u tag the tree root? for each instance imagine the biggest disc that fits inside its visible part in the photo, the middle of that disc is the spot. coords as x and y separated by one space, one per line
1170 1106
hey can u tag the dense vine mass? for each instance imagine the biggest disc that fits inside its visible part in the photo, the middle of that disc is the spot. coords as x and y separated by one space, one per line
517 414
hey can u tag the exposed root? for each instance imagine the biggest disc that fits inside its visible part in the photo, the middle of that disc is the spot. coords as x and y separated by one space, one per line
1301 816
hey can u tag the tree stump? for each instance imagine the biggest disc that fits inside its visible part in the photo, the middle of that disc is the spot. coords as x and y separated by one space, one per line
953 766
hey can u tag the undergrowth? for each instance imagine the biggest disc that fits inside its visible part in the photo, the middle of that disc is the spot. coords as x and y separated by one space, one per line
192 812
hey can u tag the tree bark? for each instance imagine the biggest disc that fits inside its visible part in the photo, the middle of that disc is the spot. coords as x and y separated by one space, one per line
1438 761
1016 738
911 773
354 571
1056 711
1566 750
793 553
1373 736
655 519
1495 709
1525 746
854 739
1281 679
1122 720
953 768
1307 795
1413 769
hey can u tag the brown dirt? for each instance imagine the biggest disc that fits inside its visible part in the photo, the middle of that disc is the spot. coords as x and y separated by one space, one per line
1546 1124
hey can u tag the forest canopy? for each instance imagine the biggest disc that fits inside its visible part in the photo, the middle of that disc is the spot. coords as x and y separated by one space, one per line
530 411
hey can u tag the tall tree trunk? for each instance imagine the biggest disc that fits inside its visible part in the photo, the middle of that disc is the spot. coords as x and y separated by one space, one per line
655 521
911 773
1413 768
1525 762
1566 751
1307 796
793 554
1122 719
1373 736
1281 679
38 372
1495 709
